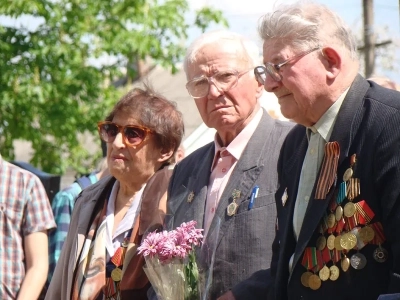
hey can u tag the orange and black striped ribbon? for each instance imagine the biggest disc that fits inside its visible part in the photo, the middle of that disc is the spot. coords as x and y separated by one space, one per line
365 212
353 188
328 170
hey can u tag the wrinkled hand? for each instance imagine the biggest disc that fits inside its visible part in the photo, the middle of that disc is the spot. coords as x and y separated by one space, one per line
227 296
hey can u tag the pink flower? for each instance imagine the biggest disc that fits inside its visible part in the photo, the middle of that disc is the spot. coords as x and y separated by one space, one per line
149 246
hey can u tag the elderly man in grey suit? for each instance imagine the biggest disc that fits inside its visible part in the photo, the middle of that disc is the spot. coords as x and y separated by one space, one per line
231 180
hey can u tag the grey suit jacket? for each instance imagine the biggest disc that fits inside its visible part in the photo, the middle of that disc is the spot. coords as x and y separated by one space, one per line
244 240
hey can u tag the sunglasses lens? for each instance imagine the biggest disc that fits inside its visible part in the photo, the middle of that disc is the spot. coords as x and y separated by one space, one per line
134 135
108 132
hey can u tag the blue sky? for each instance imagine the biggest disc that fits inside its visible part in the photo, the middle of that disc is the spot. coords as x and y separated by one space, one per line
243 18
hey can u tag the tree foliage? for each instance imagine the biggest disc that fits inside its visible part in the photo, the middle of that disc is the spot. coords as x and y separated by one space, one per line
55 80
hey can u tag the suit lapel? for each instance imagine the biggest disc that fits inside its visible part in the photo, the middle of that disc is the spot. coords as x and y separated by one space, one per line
349 116
246 172
197 189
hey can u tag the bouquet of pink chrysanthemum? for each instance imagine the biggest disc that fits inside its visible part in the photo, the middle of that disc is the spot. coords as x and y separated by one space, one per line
171 262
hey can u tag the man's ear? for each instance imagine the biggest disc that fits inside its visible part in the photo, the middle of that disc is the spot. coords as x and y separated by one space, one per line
165 154
332 61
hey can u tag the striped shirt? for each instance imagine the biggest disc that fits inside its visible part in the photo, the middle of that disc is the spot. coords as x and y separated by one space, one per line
24 209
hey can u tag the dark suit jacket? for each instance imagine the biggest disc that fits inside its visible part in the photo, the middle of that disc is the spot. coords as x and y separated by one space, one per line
244 242
367 125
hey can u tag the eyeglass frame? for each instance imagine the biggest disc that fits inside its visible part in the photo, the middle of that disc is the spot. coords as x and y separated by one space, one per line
211 79
277 67
121 128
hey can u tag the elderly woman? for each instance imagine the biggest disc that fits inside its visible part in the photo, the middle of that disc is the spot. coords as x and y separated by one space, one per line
99 258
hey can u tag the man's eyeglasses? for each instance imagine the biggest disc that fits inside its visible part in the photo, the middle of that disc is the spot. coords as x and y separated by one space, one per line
273 69
224 81
133 135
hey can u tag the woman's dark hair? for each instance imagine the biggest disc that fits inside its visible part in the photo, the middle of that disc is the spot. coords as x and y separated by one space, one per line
155 112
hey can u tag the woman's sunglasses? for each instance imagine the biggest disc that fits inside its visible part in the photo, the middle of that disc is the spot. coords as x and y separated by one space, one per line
133 135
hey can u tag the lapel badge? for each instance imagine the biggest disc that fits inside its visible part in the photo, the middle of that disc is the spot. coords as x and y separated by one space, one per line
236 194
190 197
233 206
284 197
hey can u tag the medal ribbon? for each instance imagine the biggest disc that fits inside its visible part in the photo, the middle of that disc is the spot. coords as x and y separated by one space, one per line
328 170
335 255
342 193
340 225
365 212
379 235
326 255
353 189
351 222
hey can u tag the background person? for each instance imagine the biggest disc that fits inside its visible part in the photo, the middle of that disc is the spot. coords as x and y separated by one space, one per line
384 81
25 218
339 170
99 258
217 180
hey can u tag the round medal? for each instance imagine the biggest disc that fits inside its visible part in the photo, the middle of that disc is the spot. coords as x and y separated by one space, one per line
358 261
305 278
345 263
321 243
331 220
330 243
324 273
231 209
366 234
347 174
116 274
380 254
314 282
348 241
349 209
334 271
338 213
337 243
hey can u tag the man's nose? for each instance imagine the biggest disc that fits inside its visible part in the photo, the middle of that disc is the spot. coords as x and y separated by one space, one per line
271 84
214 91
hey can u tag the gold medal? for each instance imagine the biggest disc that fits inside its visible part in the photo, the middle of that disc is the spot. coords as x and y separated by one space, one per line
305 278
324 273
345 263
338 213
321 243
334 271
337 243
348 241
314 282
116 274
330 242
232 208
347 174
349 209
366 234
358 261
331 220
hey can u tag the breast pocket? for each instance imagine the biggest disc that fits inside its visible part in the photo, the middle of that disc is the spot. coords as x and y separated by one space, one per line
262 200
12 210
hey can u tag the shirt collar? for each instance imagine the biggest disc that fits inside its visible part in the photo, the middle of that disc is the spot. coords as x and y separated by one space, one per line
325 124
239 143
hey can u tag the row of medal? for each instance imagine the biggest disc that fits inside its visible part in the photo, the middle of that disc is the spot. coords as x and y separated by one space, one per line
114 272
343 229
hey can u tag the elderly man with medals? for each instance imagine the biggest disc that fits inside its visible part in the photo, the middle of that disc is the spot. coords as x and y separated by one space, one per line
338 202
